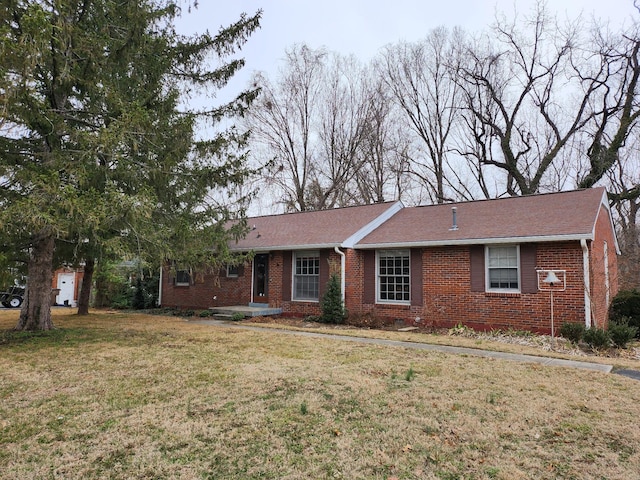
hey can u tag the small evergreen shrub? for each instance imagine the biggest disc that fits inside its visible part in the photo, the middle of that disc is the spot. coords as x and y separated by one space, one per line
621 332
205 313
236 317
333 310
597 337
572 331
626 304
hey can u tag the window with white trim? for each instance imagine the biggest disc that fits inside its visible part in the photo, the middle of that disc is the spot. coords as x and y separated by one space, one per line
183 278
306 276
233 271
393 276
503 268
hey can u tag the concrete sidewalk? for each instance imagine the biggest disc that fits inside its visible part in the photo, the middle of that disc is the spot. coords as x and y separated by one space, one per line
554 362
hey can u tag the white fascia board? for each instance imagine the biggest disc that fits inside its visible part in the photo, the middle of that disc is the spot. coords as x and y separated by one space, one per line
477 241
352 241
318 246
605 204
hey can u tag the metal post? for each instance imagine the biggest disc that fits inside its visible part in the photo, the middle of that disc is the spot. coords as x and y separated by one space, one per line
553 340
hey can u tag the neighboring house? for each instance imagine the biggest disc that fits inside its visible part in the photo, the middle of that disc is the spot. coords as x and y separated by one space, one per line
473 263
66 286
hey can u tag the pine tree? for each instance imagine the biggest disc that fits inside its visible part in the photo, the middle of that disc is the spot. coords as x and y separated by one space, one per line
333 310
98 144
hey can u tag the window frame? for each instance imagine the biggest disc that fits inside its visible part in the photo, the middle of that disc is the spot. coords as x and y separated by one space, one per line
306 254
399 252
488 268
232 274
183 283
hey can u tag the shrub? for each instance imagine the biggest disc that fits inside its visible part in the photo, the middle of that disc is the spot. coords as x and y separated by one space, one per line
205 313
572 331
626 304
138 301
366 320
621 332
597 337
333 310
236 317
461 330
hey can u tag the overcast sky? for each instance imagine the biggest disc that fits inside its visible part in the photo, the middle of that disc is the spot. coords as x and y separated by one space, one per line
363 27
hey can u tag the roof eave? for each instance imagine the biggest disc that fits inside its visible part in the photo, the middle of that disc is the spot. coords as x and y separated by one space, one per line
476 241
272 248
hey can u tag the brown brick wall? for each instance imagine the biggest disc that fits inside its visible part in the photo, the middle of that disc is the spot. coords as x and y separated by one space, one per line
446 291
204 287
237 291
303 309
600 298
448 299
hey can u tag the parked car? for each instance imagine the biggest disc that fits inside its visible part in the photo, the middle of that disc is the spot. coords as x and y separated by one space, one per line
12 298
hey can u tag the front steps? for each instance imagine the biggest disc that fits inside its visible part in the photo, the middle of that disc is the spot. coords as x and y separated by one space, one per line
251 310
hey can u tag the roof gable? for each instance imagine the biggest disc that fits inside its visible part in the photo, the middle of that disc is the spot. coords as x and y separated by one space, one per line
555 216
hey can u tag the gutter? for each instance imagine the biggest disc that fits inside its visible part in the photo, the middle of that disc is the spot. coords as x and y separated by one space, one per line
271 248
587 283
475 241
342 272
159 301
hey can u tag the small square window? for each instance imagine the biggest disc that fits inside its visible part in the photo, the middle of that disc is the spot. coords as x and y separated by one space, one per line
233 271
183 278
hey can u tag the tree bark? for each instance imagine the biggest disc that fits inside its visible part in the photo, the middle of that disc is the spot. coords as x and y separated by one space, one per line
85 290
36 308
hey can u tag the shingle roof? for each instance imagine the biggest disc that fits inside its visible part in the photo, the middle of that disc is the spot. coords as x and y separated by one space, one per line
316 229
553 216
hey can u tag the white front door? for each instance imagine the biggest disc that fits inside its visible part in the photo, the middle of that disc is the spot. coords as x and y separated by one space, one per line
66 284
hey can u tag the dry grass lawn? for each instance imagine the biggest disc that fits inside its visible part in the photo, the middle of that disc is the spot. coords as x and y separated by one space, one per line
125 396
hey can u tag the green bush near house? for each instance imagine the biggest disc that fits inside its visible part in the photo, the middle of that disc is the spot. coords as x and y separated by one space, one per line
572 331
621 332
626 304
333 310
597 337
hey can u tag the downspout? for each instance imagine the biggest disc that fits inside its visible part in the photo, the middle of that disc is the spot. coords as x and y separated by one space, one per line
587 283
159 301
342 272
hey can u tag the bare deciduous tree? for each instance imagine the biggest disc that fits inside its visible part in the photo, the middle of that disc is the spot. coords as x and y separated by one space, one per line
420 79
282 119
320 129
528 90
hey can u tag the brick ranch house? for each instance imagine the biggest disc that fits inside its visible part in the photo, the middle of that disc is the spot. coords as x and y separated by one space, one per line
478 263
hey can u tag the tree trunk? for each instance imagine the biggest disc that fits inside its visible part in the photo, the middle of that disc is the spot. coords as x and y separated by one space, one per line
36 308
85 290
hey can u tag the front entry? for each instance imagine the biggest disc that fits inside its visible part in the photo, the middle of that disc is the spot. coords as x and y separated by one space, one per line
261 278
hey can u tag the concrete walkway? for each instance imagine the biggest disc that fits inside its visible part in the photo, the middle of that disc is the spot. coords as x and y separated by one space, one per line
554 362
